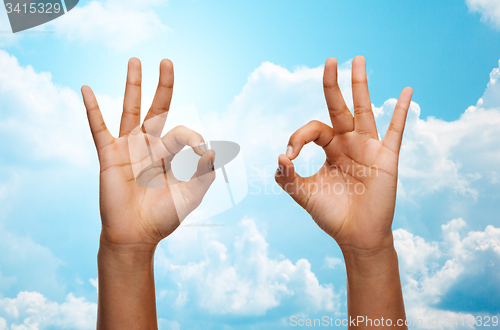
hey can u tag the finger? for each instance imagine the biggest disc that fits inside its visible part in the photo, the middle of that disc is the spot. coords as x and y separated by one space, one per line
340 115
314 131
161 102
100 132
290 181
199 184
205 167
394 134
131 116
364 121
179 137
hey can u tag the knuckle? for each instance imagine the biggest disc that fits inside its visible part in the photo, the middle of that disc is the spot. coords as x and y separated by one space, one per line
393 128
166 85
363 131
93 107
179 128
294 139
360 110
334 111
134 110
315 123
359 81
329 83
101 127
134 82
400 108
158 110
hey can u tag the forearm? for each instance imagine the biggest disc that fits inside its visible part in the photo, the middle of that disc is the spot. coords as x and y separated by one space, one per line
374 289
126 288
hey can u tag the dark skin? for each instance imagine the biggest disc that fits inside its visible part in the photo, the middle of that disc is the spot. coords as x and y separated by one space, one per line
135 218
353 196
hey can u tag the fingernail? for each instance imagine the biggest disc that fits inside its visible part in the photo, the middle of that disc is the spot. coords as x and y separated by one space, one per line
212 161
203 147
279 170
289 151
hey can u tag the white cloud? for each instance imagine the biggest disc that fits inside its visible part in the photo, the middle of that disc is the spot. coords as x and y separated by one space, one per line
6 281
95 283
245 281
491 97
454 154
332 262
489 10
271 106
168 325
40 120
457 277
33 311
494 177
43 121
436 154
119 25
27 265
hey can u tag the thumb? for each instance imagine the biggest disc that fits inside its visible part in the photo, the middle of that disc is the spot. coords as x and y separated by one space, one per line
291 182
199 184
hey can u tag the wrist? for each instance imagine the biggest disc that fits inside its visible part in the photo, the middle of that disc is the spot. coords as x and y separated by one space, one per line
370 263
125 245
133 256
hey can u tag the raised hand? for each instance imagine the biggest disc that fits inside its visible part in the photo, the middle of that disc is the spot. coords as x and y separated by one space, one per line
141 201
134 214
352 197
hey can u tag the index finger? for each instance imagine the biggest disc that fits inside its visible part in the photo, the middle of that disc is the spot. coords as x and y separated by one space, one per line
100 133
394 135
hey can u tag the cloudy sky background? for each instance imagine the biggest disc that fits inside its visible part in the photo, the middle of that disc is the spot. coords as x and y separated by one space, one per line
253 71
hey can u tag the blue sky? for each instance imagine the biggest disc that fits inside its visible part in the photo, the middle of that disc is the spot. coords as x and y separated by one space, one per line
253 68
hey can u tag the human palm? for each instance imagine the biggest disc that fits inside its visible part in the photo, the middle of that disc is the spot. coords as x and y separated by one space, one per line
352 197
141 201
